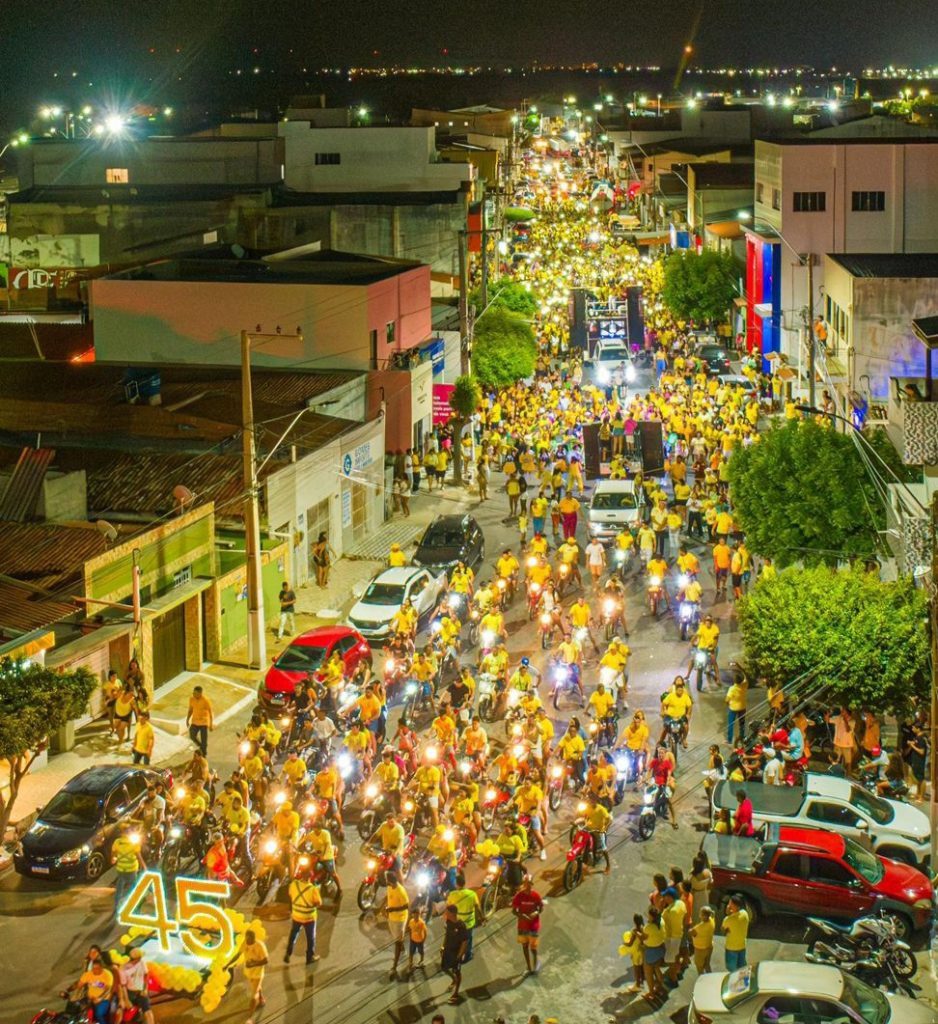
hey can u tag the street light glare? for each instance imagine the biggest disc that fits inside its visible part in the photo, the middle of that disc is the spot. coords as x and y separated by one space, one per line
114 124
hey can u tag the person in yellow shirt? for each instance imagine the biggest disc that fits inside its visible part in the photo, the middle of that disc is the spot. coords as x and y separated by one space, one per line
405 621
476 742
735 700
444 728
442 848
529 799
635 740
491 628
388 776
707 638
358 743
570 658
769 571
328 786
545 732
568 556
396 557
507 565
597 821
687 562
461 580
427 780
677 705
722 557
601 780
571 749
144 738
601 703
293 771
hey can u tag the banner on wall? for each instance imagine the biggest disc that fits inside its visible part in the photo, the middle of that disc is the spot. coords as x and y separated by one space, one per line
441 407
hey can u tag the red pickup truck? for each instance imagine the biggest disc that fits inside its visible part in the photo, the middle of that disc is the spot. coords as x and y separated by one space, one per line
805 871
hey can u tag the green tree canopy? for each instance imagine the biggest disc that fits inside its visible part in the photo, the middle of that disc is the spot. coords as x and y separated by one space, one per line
700 287
34 701
509 294
803 494
504 349
465 396
864 640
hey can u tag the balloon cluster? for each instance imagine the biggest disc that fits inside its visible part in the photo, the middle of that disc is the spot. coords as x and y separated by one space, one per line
488 848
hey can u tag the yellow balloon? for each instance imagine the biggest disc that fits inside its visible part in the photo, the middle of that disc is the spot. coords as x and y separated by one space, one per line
125 940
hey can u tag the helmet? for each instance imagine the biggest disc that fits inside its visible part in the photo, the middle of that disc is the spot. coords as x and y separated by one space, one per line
876 751
525 662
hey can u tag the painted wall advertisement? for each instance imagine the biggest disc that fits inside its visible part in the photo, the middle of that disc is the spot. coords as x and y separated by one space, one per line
441 409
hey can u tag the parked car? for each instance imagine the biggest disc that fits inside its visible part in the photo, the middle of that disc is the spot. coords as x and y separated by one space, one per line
808 872
448 540
613 507
371 615
308 653
716 358
608 358
896 830
790 992
72 835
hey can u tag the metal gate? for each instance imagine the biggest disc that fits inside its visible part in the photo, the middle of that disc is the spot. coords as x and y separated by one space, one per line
169 645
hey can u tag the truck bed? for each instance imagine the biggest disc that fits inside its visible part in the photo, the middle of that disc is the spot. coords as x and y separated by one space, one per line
731 853
778 801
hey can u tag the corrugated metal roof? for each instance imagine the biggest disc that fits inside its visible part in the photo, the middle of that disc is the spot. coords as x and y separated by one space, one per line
47 554
22 490
22 610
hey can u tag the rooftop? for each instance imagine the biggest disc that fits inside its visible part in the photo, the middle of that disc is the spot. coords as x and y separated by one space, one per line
714 175
329 267
48 555
875 264
23 610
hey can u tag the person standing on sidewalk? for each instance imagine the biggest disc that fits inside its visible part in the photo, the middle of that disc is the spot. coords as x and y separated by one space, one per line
305 901
200 719
287 600
527 907
455 950
321 559
255 963
736 930
143 739
735 700
128 860
467 906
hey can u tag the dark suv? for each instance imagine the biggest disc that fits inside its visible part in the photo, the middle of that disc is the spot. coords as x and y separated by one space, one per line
716 358
448 540
72 835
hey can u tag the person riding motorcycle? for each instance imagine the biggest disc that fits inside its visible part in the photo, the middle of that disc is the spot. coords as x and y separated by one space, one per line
328 786
317 841
623 549
687 562
568 559
657 569
597 821
507 568
217 866
602 704
388 776
391 836
404 621
461 580
612 604
286 824
237 820
635 740
601 780
707 638
570 658
572 750
448 632
614 669
442 850
676 706
512 848
538 546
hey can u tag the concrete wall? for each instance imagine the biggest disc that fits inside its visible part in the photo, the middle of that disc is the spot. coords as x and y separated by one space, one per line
200 322
345 402
370 159
84 163
64 497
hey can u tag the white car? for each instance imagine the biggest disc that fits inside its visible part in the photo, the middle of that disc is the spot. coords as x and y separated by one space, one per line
612 364
790 992
613 508
371 615
737 380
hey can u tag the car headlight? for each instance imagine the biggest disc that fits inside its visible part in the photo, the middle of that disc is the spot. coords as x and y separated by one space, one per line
73 856
630 373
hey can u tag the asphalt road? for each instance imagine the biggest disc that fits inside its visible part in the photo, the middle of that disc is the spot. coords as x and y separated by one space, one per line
48 927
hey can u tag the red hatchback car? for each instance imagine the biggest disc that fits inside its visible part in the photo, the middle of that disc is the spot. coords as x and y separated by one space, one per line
308 653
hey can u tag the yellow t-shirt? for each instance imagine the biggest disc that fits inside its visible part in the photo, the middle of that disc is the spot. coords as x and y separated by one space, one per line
635 739
571 747
398 902
675 706
580 614
143 737
98 986
601 703
736 928
702 934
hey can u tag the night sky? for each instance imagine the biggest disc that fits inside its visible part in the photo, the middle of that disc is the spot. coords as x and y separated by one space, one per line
109 42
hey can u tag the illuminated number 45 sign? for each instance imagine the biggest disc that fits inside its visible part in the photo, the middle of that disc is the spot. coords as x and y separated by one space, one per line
197 916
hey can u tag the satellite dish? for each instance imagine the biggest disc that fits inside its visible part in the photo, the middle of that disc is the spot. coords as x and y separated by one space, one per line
182 494
110 533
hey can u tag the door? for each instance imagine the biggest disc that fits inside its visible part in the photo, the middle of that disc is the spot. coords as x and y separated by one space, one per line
838 892
837 817
784 885
169 645
317 521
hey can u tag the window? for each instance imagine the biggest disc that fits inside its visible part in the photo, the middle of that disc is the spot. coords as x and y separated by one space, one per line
117 176
328 159
789 865
833 814
182 577
776 198
869 202
389 332
346 644
418 587
136 784
829 872
116 803
760 192
809 202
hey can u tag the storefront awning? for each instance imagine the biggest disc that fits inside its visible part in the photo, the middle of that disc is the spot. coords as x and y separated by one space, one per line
763 309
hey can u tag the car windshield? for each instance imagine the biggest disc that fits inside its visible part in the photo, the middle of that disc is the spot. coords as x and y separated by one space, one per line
614 355
78 810
863 862
300 658
384 593
865 1000
442 537
867 803
713 353
737 986
614 499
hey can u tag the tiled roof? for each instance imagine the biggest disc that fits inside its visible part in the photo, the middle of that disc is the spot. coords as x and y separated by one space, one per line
888 264
47 555
22 610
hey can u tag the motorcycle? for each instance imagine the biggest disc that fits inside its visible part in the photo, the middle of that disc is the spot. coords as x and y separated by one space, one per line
488 700
564 579
867 938
271 870
319 876
602 733
514 713
622 560
496 891
184 844
547 625
617 683
473 636
629 768
582 852
376 876
702 667
79 1011
558 777
507 586
496 802
534 599
375 808
565 682
688 615
418 702
396 673
319 808
611 618
656 594
654 806
458 604
897 790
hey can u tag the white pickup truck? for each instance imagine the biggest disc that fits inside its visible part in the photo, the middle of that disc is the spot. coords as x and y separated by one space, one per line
896 830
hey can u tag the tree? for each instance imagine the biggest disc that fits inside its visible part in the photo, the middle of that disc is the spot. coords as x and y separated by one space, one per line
509 294
700 287
34 702
503 349
862 639
464 399
803 494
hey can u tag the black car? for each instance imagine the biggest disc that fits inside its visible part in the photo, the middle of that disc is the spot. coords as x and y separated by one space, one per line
72 835
716 358
448 540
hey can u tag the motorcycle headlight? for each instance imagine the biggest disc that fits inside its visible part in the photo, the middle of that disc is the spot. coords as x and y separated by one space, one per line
245 748
493 867
436 626
648 798
280 798
448 834
389 665
535 588
502 583
582 808
518 750
655 581
683 580
465 767
556 772
310 809
175 832
371 792
409 806
622 765
180 793
423 879
271 846
545 619
620 555
488 638
602 375
372 864
630 373
922 904
410 689
431 753
532 561
490 794
609 606
285 722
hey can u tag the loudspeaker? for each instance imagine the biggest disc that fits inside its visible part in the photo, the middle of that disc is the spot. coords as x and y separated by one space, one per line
578 332
636 316
591 454
651 442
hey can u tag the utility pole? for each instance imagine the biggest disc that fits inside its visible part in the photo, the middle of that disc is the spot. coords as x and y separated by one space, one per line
484 290
812 351
933 727
463 302
257 639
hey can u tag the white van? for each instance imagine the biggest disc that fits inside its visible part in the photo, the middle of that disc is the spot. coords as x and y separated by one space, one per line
613 508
